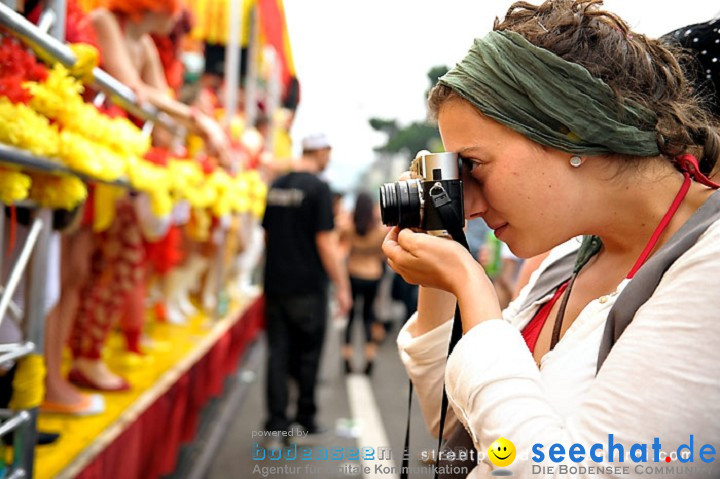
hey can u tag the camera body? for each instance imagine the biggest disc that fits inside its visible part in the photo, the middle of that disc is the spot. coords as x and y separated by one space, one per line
409 203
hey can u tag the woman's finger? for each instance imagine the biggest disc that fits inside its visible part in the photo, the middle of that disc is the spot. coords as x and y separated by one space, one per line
411 242
390 246
392 234
406 175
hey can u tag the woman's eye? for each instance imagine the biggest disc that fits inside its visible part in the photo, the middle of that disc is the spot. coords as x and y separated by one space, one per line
469 164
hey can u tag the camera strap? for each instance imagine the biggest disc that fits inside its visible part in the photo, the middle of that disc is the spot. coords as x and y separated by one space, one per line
454 226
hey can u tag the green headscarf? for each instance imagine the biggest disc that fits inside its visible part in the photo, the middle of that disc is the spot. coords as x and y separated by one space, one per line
551 101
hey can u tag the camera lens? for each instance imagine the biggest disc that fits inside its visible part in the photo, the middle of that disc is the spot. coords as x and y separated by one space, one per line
389 211
400 204
409 194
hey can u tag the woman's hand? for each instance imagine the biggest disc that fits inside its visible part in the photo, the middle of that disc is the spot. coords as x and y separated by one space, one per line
427 260
443 264
216 138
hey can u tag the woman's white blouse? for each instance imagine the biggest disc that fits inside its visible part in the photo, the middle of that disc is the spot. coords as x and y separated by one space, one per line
661 379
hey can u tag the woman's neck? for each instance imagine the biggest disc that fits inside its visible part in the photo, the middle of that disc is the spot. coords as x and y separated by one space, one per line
630 215
134 30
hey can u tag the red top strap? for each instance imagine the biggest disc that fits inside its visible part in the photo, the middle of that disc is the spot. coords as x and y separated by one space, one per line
662 225
689 164
531 332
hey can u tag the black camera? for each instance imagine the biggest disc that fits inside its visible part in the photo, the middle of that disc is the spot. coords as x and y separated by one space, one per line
414 203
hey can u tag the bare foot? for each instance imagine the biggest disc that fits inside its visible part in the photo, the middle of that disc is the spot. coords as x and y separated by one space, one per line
62 392
97 373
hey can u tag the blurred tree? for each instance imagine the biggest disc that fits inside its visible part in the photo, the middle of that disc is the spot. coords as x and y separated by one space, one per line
434 75
413 138
417 136
386 126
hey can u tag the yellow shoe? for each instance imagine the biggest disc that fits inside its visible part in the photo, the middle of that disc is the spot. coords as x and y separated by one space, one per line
130 360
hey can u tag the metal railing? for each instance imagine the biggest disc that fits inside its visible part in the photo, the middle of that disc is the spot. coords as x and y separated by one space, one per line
16 156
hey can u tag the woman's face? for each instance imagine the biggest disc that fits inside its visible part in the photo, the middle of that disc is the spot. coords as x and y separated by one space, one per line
526 193
162 23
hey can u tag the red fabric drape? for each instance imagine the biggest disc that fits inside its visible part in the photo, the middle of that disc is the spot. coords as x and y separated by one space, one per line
272 23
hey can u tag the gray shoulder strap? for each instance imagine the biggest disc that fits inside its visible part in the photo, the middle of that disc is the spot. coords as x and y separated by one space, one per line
639 290
553 276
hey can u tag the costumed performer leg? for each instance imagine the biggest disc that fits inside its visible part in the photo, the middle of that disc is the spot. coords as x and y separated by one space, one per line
247 261
179 278
159 254
196 242
212 285
60 395
117 267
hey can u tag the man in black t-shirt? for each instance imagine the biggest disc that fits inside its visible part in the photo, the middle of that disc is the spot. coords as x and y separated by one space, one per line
301 254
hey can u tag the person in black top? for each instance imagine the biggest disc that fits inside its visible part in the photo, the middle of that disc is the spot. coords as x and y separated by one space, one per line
301 253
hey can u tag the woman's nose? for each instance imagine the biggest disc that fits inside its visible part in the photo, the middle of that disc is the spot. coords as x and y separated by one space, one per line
475 204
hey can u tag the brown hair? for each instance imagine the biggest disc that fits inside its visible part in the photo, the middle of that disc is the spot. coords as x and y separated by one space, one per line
637 68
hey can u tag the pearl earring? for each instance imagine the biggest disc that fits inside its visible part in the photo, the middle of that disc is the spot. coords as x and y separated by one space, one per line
576 161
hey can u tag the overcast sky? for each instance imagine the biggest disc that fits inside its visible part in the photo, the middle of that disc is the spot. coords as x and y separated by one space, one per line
361 59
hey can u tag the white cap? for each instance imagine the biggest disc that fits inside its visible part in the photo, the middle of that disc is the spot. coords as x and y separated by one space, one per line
316 141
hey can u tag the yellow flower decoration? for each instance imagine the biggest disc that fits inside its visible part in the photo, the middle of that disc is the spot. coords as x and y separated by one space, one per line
87 59
198 229
195 145
108 148
258 193
241 194
154 180
14 186
161 202
91 158
59 96
221 182
147 176
104 198
24 128
119 134
185 176
57 191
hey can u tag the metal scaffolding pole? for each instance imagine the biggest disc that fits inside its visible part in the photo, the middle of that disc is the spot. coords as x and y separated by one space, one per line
16 156
58 7
232 80
2 240
253 50
34 324
274 93
232 59
19 267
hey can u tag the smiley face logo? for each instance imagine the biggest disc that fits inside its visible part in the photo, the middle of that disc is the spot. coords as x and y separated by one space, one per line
501 452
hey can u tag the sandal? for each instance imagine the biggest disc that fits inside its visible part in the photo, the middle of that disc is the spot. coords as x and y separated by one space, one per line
91 405
78 378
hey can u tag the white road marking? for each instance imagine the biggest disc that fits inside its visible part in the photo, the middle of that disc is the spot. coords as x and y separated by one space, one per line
364 410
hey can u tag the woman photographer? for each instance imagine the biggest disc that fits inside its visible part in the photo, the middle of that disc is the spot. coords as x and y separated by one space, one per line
569 124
